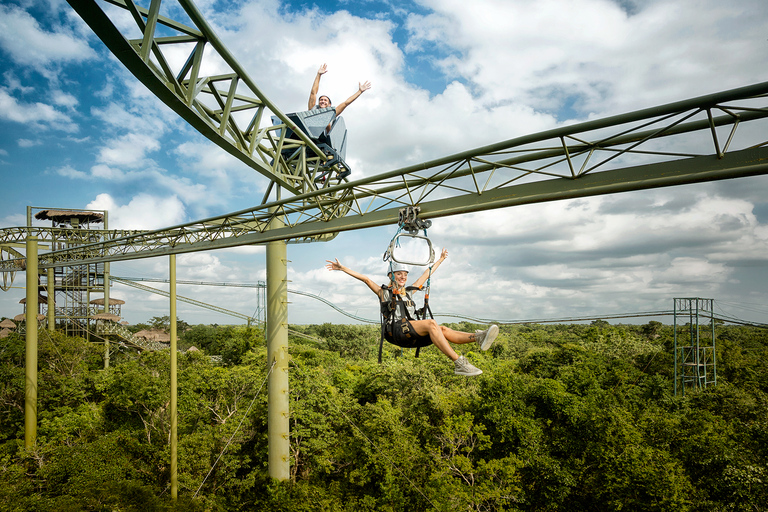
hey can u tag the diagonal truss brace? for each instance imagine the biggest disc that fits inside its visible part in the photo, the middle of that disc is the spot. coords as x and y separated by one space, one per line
672 144
208 103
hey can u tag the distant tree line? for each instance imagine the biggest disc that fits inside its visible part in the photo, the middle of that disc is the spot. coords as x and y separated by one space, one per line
564 418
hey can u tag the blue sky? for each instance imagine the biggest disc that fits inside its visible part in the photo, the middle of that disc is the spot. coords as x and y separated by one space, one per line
78 131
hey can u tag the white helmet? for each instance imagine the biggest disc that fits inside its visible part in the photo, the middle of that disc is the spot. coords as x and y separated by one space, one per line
397 267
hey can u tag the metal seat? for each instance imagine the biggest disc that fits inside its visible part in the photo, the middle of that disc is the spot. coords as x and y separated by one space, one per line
332 141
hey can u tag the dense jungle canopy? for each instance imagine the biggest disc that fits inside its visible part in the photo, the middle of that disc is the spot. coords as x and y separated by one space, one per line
564 418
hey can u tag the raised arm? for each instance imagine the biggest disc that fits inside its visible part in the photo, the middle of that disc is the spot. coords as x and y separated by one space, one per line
423 279
361 88
316 86
335 265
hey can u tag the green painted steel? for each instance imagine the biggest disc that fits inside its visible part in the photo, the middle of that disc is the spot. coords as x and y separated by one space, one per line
51 298
173 406
30 365
695 363
572 161
277 359
227 108
743 163
106 294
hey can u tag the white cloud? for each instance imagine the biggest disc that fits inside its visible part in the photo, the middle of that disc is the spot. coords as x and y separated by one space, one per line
64 99
70 172
508 68
35 114
593 52
14 84
143 211
129 150
130 117
106 172
27 43
27 143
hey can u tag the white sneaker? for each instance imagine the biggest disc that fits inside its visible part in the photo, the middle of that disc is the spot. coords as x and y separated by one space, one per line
485 338
464 367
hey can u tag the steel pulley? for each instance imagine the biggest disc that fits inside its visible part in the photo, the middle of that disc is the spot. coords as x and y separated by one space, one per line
408 228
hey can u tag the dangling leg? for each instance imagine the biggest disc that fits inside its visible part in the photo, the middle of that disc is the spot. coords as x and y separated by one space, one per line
484 339
458 337
441 333
435 333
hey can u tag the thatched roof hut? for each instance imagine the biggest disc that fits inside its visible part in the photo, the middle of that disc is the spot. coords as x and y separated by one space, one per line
106 316
112 302
23 317
40 300
153 335
66 216
4 333
8 324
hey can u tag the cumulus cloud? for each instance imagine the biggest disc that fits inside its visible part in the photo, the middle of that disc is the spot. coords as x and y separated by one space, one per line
14 84
592 54
594 251
498 69
35 114
27 43
70 172
129 150
64 99
144 211
27 143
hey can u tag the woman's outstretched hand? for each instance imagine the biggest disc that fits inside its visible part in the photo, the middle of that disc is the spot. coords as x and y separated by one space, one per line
333 265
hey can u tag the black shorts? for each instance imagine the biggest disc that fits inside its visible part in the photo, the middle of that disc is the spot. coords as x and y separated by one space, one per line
403 335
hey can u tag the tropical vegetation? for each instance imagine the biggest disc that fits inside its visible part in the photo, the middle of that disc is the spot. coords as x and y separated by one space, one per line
564 418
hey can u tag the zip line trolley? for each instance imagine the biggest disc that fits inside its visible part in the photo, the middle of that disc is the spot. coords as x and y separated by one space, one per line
398 308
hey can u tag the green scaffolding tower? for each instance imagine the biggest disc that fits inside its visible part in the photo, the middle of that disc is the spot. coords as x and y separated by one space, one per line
68 289
694 344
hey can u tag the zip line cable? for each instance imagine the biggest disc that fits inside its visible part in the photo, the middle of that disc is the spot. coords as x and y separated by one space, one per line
236 429
724 317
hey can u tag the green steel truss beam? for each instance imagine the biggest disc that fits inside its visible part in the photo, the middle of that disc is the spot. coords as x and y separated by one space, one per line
719 136
8 252
228 108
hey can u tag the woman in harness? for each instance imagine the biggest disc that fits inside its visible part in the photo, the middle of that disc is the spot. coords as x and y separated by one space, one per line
418 333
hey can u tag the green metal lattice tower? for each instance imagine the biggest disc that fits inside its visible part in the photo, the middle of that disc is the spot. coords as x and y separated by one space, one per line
68 289
695 358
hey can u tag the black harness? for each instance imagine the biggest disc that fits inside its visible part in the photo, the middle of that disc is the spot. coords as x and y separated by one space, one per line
399 331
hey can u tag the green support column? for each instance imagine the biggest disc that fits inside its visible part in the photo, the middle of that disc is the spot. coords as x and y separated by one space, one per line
51 292
30 389
174 387
277 353
106 295
106 310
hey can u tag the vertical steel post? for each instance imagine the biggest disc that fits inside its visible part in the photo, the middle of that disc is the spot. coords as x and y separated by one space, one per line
174 388
106 295
30 389
698 347
106 310
277 354
674 343
714 349
51 292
